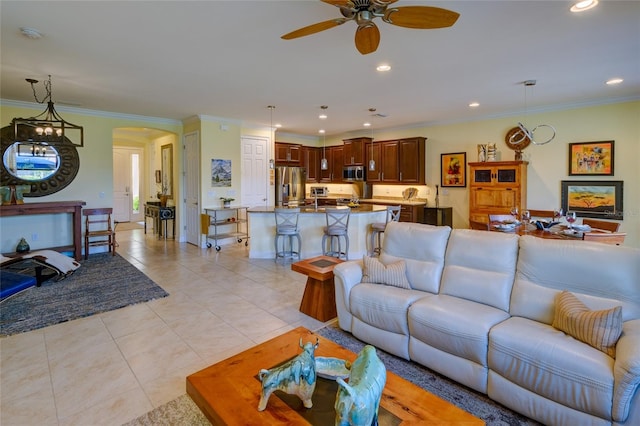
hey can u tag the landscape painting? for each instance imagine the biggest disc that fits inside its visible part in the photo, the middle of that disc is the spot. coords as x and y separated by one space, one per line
220 173
601 199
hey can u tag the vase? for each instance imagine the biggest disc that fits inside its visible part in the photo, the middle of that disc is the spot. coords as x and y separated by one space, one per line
226 204
23 246
163 200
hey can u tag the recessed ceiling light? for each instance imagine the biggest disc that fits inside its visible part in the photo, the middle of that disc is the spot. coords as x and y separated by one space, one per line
367 124
321 131
615 81
322 116
31 33
581 6
383 67
474 104
278 125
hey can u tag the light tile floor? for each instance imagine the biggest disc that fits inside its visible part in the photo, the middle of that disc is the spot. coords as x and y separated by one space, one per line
110 368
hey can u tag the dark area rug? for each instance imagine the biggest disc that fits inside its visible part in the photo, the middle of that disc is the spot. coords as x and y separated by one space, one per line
103 283
465 398
182 411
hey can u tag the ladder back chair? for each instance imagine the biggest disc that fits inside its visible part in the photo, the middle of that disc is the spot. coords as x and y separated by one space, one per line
377 229
287 229
337 228
98 230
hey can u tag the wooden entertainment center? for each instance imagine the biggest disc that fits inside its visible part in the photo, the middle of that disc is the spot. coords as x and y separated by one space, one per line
53 207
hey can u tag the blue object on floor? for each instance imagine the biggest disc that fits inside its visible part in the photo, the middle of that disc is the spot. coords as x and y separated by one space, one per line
12 283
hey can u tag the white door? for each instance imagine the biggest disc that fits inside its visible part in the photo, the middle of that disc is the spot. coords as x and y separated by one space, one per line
254 171
126 184
192 187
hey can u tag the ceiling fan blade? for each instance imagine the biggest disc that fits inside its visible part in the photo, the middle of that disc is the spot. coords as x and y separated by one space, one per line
315 28
420 17
367 38
338 3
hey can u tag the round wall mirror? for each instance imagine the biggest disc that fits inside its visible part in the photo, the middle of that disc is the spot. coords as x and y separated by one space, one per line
45 168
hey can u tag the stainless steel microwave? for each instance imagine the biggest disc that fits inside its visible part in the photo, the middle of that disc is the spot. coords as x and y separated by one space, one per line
353 173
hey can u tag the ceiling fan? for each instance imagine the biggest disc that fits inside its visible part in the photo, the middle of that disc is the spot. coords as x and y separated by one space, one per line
364 11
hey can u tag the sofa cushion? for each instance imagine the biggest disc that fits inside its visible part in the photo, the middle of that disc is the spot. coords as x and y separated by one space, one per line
384 307
456 326
602 275
393 274
480 266
422 247
546 361
600 329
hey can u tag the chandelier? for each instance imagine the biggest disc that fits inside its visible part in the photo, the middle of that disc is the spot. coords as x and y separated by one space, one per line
48 127
524 133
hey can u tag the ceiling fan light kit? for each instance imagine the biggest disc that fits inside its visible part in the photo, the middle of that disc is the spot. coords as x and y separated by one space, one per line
363 12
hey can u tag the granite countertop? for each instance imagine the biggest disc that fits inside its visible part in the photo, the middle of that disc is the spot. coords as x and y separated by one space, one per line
362 208
400 201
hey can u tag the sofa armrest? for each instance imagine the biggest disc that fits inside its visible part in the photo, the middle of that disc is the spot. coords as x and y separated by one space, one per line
346 276
626 370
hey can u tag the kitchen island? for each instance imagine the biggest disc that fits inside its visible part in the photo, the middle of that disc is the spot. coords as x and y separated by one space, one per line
312 220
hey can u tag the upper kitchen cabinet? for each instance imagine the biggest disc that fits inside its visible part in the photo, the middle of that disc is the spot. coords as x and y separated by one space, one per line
288 154
311 162
335 162
402 161
373 153
354 151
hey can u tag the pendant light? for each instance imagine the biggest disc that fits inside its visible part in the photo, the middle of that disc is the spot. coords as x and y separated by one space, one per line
526 133
372 162
324 164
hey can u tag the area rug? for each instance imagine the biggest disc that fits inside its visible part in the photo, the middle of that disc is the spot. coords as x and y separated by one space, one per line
184 412
103 283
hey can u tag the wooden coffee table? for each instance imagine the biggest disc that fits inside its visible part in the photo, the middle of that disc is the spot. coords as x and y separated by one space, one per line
319 299
228 392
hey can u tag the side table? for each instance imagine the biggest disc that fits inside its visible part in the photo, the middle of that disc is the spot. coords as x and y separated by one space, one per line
319 299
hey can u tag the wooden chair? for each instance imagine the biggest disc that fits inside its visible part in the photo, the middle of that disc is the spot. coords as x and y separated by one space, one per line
602 225
542 213
480 226
616 238
98 230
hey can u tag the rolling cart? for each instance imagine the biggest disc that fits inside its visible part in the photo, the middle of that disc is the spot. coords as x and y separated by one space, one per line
229 222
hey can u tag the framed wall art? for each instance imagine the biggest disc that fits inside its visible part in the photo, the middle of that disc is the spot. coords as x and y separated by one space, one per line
453 172
220 173
598 199
166 162
591 158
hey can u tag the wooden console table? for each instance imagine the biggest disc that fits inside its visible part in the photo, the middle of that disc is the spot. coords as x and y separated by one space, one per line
52 207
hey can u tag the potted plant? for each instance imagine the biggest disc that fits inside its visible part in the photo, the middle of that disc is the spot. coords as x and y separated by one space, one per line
226 202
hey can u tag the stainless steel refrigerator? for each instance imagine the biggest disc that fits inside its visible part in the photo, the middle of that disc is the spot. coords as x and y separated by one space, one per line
290 189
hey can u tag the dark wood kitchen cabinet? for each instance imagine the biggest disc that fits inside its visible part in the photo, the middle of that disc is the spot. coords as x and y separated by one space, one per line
287 154
400 161
311 162
354 151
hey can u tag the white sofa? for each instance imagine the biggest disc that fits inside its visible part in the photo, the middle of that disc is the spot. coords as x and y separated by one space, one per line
480 311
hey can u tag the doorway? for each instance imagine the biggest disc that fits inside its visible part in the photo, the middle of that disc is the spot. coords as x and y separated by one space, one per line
127 166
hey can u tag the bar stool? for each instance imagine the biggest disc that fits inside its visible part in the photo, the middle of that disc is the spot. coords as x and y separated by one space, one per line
287 228
377 229
337 226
